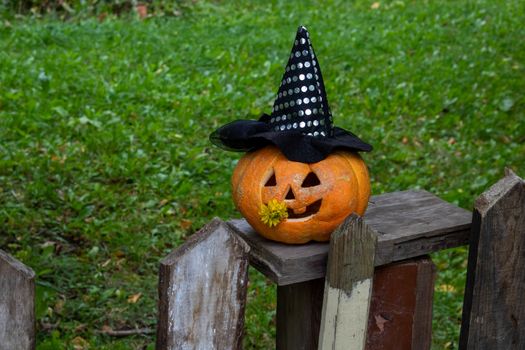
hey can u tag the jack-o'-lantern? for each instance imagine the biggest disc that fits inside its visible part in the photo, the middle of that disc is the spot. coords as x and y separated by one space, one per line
301 176
318 196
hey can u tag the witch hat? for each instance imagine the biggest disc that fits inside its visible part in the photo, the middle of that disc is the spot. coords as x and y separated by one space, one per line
301 124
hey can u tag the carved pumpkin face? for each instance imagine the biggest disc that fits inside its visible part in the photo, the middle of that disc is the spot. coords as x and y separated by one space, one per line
318 196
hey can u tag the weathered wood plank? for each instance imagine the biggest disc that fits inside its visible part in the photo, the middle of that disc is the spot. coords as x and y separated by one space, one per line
299 315
202 291
409 224
422 325
401 308
494 303
17 304
348 286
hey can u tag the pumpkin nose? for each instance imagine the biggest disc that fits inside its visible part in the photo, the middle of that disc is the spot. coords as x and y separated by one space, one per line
290 194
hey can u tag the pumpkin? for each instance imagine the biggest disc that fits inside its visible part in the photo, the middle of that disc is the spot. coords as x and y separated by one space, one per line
317 196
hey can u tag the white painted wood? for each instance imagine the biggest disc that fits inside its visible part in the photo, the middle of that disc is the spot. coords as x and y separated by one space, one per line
17 304
202 291
348 286
345 317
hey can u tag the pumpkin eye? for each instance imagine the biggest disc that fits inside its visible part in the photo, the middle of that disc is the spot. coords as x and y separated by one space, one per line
311 180
272 181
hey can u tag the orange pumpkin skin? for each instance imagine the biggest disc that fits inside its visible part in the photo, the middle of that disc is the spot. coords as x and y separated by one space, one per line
341 186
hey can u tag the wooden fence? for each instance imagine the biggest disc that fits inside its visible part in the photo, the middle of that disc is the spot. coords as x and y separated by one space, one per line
370 288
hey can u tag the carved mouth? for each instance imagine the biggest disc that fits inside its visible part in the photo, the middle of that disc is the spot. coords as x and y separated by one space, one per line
300 215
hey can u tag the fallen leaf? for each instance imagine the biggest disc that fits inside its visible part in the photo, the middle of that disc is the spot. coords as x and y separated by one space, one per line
80 343
451 141
404 140
185 224
375 5
59 306
47 244
120 262
142 10
58 159
119 254
80 328
102 16
134 298
446 288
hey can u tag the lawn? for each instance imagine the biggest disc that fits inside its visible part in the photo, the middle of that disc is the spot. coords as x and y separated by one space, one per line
105 166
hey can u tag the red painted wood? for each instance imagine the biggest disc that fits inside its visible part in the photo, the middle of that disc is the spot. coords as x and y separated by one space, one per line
401 307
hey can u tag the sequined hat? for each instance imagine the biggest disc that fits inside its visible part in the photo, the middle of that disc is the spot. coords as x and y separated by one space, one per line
301 124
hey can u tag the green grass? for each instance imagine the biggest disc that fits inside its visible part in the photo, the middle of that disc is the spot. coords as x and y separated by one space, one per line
105 165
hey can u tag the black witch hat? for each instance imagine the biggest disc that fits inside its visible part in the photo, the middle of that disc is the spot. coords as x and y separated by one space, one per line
301 123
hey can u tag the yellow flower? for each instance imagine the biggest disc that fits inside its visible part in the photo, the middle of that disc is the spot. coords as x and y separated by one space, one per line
273 213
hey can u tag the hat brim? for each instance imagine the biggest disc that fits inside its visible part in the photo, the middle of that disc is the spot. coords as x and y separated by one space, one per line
249 135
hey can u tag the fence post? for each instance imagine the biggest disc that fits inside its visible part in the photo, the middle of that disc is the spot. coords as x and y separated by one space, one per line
17 304
494 306
299 315
202 291
348 286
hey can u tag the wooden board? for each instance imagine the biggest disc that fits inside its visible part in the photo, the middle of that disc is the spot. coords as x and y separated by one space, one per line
408 223
202 291
17 304
494 303
299 315
401 307
348 286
